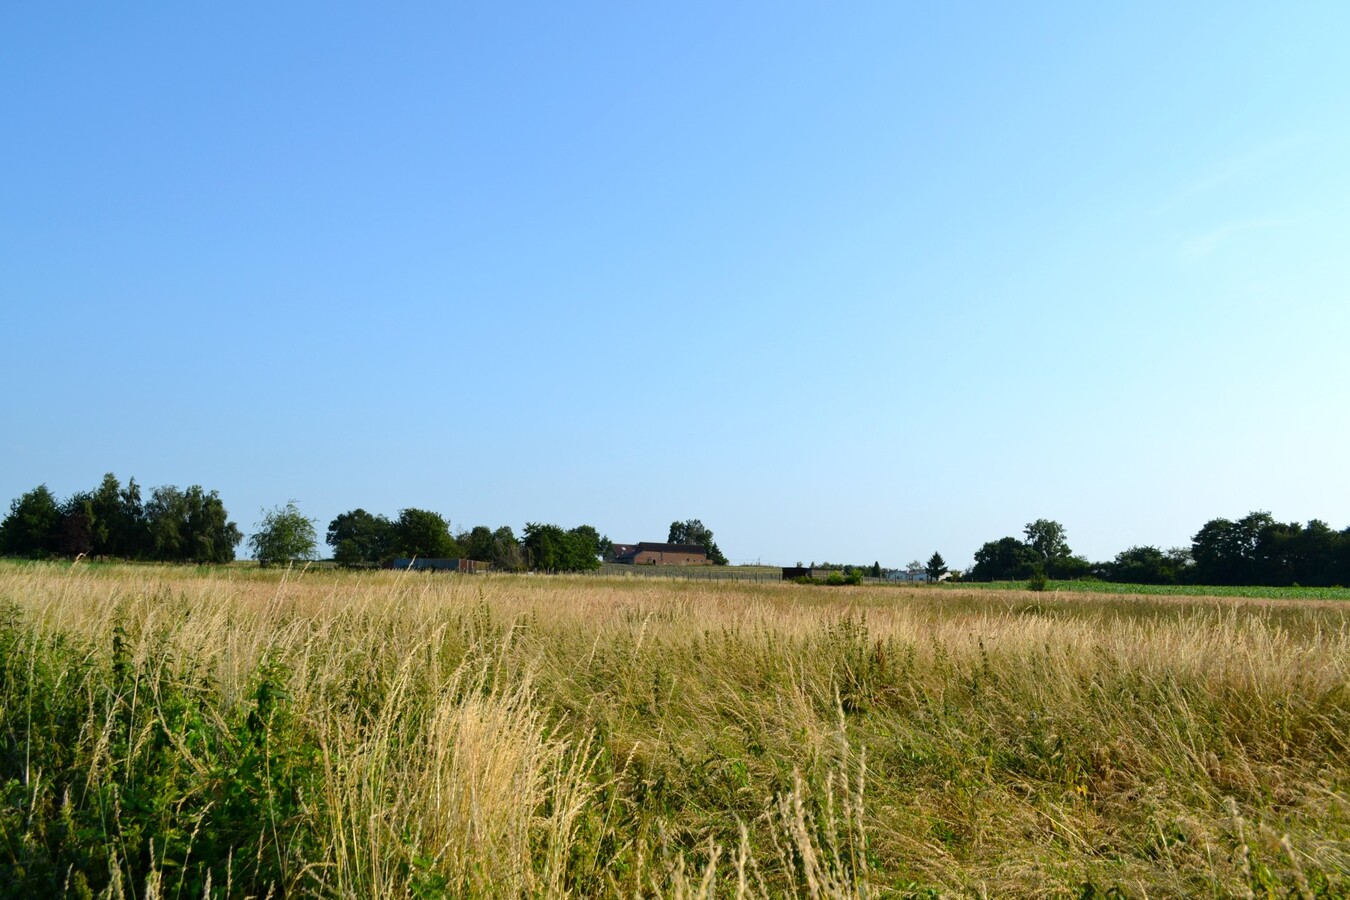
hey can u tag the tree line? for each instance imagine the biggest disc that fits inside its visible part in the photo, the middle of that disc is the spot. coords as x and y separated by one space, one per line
192 525
1253 550
171 525
360 538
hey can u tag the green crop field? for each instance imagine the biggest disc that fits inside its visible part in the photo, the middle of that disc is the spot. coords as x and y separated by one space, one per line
231 732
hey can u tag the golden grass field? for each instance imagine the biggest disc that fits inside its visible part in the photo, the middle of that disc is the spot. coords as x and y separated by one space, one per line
240 732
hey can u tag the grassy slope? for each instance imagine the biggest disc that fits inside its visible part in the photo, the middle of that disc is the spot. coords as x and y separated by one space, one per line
377 733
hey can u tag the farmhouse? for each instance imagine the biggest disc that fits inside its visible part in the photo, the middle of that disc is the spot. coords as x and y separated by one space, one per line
650 554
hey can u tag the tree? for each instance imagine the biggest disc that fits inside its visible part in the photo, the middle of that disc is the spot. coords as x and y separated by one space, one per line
1047 538
32 527
120 525
1141 565
1225 552
359 538
875 571
507 553
423 534
936 567
548 548
693 531
1006 559
284 536
75 535
190 526
476 544
118 519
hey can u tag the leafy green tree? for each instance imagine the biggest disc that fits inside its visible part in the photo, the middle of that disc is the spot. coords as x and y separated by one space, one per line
589 543
284 536
1141 565
1256 549
32 528
166 515
875 571
1006 559
507 553
1320 555
76 531
190 526
936 567
693 531
1047 538
543 545
119 526
549 548
477 543
359 538
424 534
1225 552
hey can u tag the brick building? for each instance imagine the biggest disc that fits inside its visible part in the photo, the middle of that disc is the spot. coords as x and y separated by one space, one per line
651 554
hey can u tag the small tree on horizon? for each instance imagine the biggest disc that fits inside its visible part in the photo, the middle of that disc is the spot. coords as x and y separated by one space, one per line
284 536
936 567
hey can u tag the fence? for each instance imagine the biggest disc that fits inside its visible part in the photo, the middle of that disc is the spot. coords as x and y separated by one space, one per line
708 573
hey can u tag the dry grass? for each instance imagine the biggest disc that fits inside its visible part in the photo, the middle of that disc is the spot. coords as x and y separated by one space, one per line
386 734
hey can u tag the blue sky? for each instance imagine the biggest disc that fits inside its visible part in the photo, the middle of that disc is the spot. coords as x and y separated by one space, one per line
846 282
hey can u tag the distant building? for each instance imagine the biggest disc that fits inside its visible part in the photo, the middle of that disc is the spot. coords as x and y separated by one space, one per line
650 554
911 574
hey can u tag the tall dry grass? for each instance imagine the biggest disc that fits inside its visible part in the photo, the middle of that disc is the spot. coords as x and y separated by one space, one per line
169 732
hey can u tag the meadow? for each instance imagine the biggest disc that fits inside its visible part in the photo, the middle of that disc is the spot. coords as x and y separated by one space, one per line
171 732
1093 586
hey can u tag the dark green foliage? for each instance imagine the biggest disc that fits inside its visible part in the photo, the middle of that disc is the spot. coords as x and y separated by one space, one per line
167 786
550 549
33 525
175 526
1047 539
1006 559
1048 542
498 547
190 526
478 543
423 534
1256 549
359 538
936 567
1150 565
834 579
507 554
693 531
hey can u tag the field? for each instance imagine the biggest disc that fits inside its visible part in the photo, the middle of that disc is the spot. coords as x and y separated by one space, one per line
174 733
1253 592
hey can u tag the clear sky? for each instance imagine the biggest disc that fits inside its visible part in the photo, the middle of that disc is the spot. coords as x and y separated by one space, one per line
847 282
